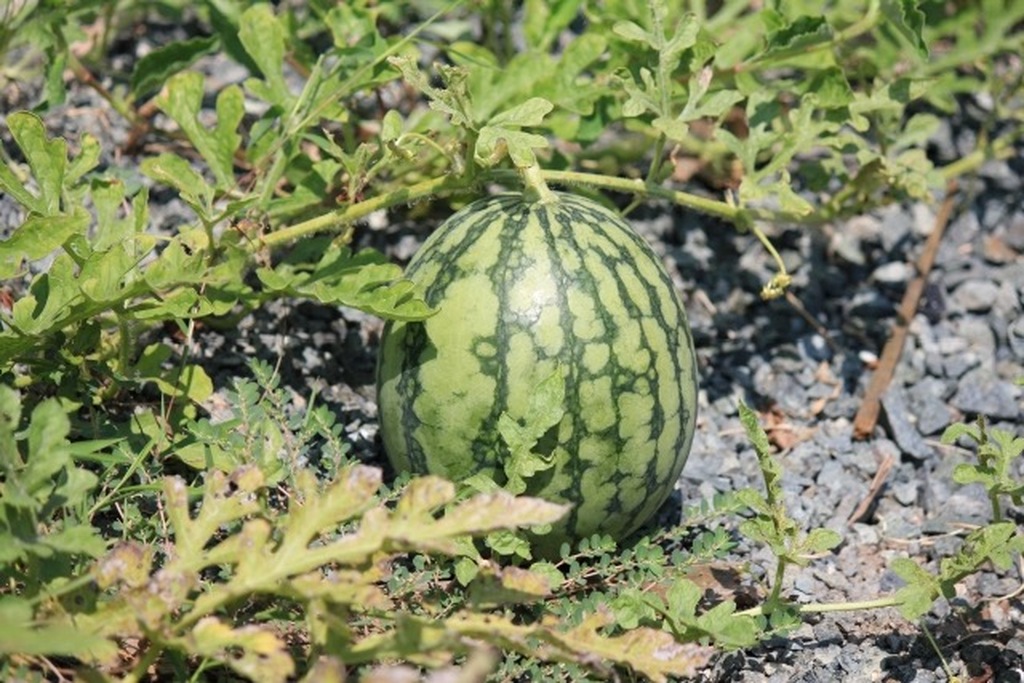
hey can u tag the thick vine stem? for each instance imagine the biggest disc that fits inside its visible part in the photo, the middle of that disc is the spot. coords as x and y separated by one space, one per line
353 212
534 187
535 182
821 608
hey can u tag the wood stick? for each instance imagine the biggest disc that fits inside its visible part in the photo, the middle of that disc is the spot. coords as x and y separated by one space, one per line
867 416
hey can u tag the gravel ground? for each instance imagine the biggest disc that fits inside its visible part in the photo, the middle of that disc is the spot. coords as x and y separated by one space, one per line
964 352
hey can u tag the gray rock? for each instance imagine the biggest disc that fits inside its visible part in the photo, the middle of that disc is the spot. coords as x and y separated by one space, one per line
981 392
976 295
927 401
1015 338
814 347
894 273
901 428
957 364
905 492
951 345
977 332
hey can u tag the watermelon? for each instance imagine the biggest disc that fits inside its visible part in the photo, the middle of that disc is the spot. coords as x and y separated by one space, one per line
527 289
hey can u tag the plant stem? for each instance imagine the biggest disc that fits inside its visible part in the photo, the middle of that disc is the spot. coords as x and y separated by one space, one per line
534 187
741 217
353 212
821 608
1000 148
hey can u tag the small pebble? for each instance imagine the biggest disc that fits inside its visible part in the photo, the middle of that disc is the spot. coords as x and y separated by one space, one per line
902 430
975 295
894 273
981 392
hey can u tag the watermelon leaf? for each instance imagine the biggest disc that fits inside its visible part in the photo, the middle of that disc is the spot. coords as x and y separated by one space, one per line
451 100
546 409
501 134
182 100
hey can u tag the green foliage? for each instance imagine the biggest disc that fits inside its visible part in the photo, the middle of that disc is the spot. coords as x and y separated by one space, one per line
771 523
997 449
339 551
547 406
998 543
211 543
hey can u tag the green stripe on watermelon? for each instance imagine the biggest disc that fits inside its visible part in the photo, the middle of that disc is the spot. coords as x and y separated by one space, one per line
522 289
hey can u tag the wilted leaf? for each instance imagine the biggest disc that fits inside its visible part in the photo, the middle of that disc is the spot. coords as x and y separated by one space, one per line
496 586
252 651
25 638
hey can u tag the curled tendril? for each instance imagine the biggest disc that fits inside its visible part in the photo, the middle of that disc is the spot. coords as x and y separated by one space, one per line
776 287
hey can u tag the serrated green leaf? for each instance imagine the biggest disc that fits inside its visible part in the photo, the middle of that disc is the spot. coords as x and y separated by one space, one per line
263 37
177 264
452 100
544 20
956 430
48 160
76 540
154 68
391 126
529 113
727 628
54 88
175 172
632 32
366 281
682 599
14 185
830 88
189 381
673 129
466 569
821 540
20 635
87 159
714 105
106 276
181 99
801 33
37 237
922 588
50 297
908 20
970 474
494 142
48 447
75 487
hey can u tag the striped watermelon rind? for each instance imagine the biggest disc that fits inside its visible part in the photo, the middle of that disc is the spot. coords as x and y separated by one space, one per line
524 289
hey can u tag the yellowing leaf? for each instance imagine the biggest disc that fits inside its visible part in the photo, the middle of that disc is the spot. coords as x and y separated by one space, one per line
252 651
653 653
